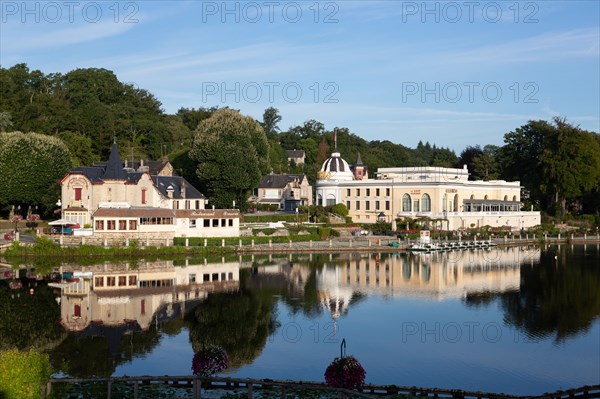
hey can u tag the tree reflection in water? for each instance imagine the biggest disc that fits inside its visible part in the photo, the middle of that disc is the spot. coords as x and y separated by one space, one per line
557 298
240 322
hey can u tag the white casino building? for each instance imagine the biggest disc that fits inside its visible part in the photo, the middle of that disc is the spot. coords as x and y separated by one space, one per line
445 195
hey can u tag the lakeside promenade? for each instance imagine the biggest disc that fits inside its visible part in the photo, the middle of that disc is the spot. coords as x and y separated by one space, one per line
345 244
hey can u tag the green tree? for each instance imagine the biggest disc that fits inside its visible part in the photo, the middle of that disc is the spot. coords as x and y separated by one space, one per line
485 165
340 210
232 155
270 121
556 162
30 165
5 121
80 147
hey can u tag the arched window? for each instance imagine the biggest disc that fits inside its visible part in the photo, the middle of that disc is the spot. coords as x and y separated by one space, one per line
514 198
319 200
444 203
406 201
506 198
331 200
472 196
486 197
455 203
425 203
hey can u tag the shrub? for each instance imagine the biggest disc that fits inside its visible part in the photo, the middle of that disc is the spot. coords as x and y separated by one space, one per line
23 374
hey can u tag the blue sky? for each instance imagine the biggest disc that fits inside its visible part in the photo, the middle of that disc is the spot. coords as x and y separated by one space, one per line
451 73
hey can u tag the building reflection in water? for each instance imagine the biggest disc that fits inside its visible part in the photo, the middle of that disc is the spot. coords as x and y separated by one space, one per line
113 295
432 275
116 295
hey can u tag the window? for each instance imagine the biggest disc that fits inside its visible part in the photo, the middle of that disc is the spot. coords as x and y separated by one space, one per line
197 204
133 225
111 281
358 192
377 192
444 204
143 307
215 223
144 196
99 224
223 276
348 192
348 205
78 193
111 225
193 223
77 311
206 222
206 277
132 280
358 205
367 205
406 203
376 205
230 276
368 192
230 222
215 277
416 206
122 224
387 192
122 281
425 203
387 205
223 222
192 277
99 282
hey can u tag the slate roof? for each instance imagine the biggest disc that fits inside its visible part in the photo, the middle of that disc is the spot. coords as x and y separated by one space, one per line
295 153
154 167
114 170
359 161
164 182
279 180
114 167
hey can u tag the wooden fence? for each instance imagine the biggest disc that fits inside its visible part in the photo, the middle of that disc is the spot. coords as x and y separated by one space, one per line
196 387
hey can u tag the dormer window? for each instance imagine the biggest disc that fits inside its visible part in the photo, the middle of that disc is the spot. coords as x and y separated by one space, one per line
144 196
170 191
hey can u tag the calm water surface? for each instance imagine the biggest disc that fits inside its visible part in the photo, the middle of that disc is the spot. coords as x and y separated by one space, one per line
517 320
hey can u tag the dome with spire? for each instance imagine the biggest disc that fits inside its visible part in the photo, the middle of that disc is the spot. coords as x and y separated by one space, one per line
335 168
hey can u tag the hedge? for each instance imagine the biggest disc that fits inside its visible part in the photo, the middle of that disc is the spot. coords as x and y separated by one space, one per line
23 374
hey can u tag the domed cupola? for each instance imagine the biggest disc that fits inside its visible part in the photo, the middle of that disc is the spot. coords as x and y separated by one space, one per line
335 167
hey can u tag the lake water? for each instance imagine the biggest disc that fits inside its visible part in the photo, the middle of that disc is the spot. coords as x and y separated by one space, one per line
514 320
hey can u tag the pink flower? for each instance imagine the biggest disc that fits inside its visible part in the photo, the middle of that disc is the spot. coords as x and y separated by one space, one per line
346 372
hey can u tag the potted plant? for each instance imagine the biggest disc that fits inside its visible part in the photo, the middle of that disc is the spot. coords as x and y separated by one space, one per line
345 372
210 360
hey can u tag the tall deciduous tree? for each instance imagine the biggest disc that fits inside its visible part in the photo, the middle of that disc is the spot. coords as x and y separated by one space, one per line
557 162
31 164
232 154
271 119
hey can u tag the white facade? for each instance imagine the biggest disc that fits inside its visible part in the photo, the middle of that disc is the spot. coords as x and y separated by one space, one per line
443 196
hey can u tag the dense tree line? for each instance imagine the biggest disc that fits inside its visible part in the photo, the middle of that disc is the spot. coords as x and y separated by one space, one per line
558 163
